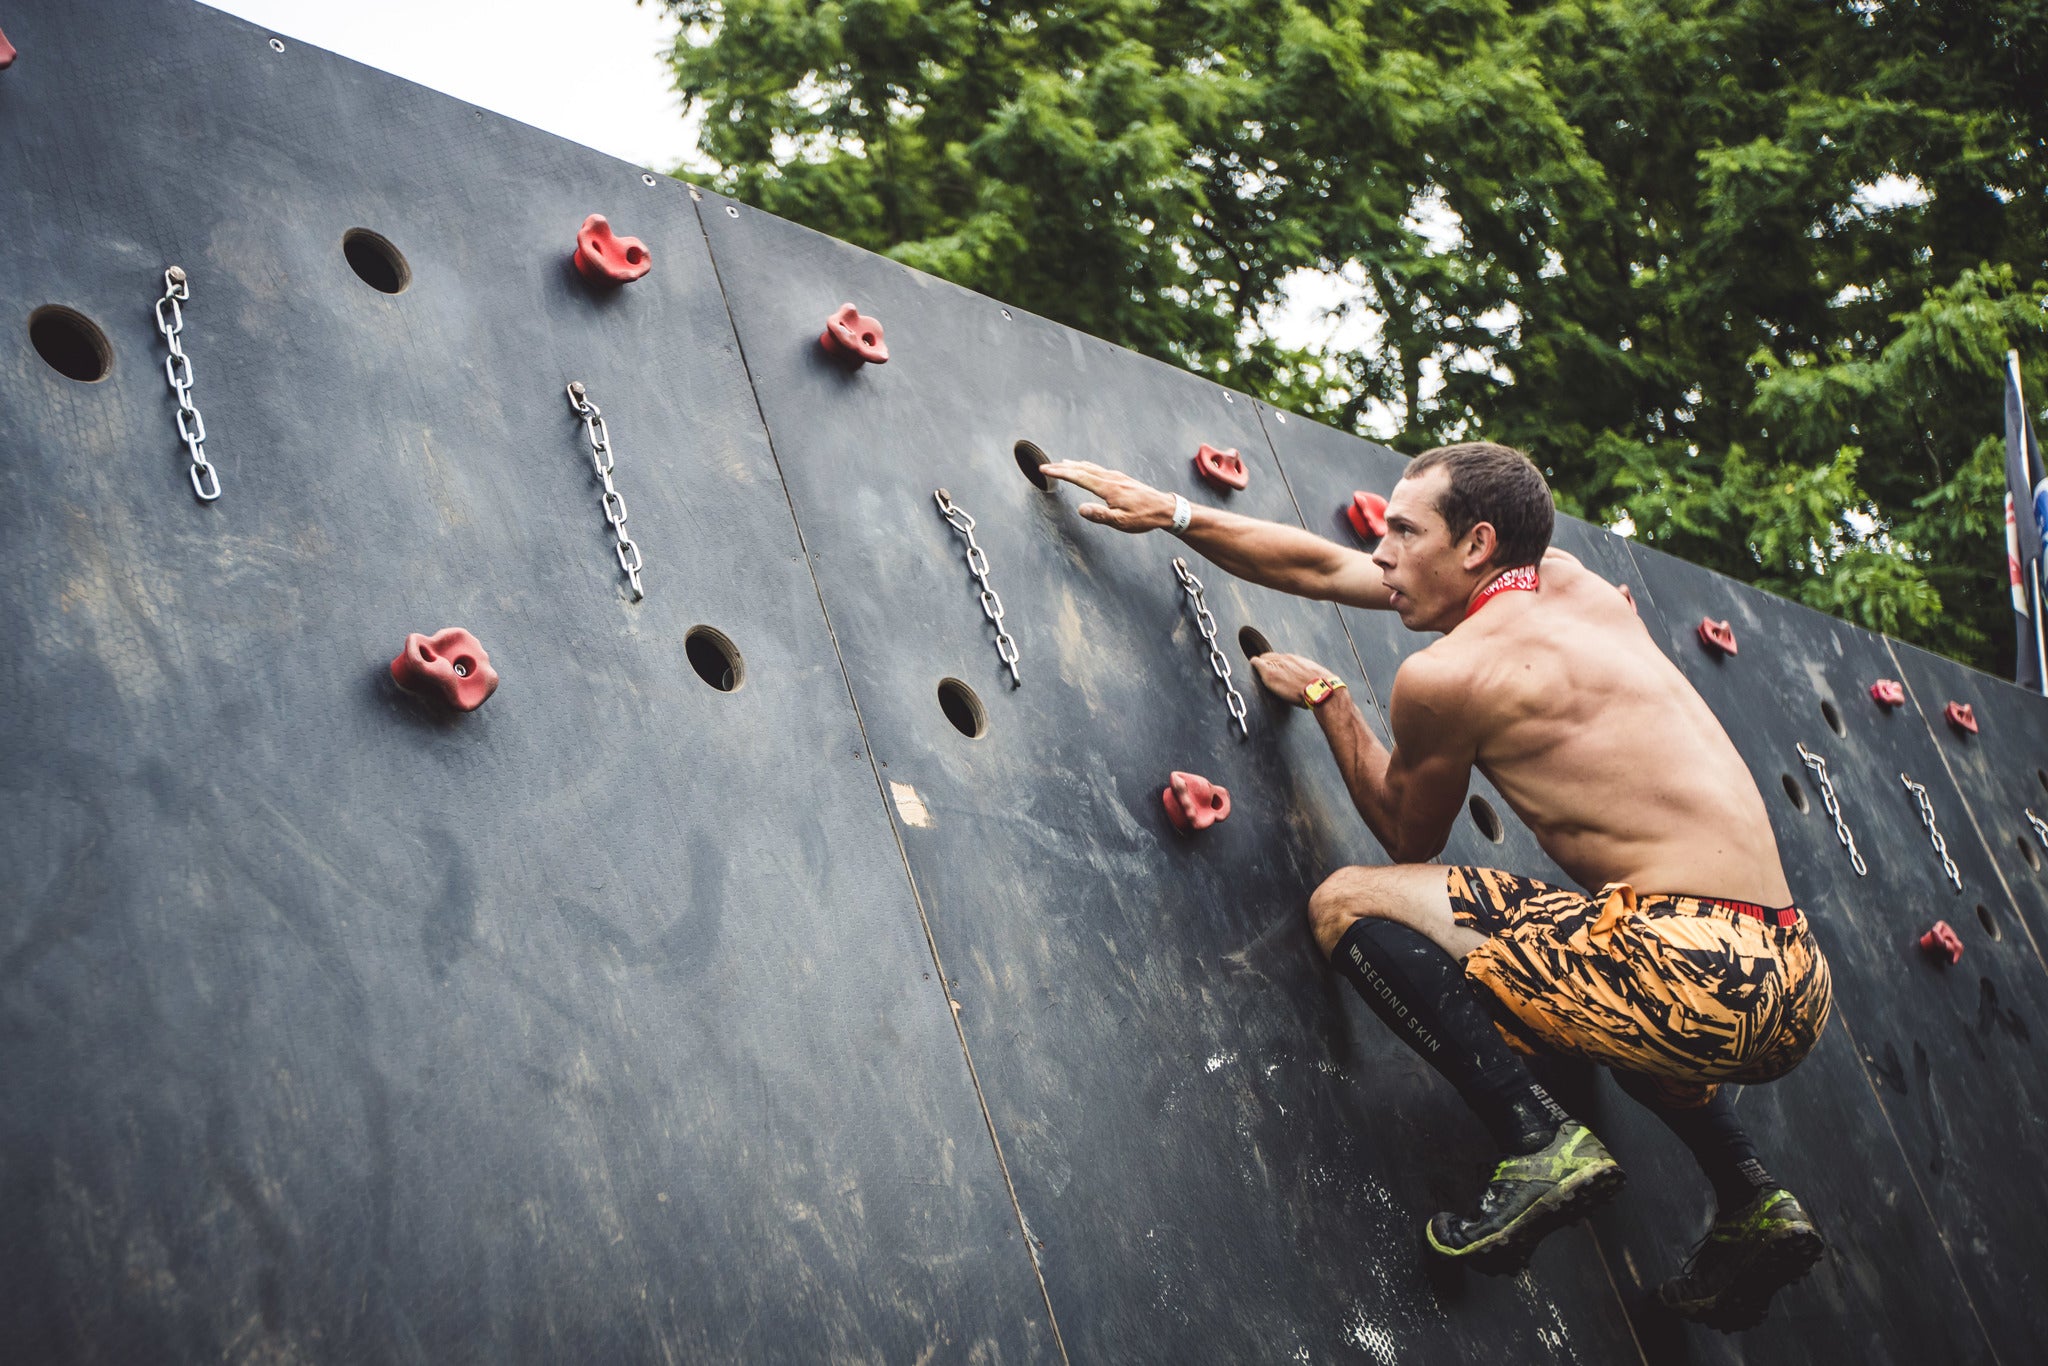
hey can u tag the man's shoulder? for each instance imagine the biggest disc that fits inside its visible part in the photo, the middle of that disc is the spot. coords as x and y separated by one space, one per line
1442 669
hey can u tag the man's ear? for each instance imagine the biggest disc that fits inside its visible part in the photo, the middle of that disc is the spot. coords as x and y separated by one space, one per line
1480 543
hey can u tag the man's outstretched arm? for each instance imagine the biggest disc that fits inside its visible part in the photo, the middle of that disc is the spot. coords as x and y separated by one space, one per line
1269 553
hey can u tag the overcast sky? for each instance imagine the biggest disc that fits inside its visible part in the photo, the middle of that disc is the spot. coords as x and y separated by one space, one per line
590 70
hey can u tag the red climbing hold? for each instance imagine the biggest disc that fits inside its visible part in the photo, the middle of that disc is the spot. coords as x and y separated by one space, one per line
448 664
605 258
1225 469
1961 716
1193 802
1717 635
854 335
1942 942
6 53
1888 692
1368 514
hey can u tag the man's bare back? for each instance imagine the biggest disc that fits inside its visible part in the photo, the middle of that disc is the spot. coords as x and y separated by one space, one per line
1596 740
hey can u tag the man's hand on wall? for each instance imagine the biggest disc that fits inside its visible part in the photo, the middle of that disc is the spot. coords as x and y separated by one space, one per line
1285 676
1126 504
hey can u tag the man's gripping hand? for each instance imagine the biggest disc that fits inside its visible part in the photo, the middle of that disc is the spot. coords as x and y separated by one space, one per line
1126 504
1288 676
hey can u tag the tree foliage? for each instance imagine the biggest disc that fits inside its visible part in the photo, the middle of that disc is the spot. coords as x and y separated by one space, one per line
1740 272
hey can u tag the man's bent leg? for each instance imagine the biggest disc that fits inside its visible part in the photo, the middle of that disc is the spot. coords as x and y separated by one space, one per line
1383 929
1386 932
1761 1240
1710 1131
1411 894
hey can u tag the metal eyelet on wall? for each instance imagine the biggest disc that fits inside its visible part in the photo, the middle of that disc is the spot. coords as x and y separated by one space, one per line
977 563
614 505
1948 865
1205 622
1834 807
170 320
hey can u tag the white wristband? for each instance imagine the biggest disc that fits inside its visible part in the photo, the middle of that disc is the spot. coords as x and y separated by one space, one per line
1182 514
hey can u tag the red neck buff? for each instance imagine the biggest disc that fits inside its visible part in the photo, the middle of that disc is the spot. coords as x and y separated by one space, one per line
1521 579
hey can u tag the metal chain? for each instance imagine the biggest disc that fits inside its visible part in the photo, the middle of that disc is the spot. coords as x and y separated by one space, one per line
1948 865
170 320
2040 826
1205 622
977 563
1827 798
614 505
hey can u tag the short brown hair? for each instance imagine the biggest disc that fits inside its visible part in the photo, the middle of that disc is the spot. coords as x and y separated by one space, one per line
1496 484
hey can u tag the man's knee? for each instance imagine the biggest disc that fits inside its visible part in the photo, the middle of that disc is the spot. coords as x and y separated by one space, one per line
1344 898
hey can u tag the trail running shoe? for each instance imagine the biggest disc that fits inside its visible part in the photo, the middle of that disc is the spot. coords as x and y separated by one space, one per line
1528 1197
1746 1258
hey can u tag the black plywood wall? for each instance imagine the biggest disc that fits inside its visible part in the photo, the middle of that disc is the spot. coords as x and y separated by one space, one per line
637 1018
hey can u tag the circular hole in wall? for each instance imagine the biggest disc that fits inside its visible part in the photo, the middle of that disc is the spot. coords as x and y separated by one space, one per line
1485 817
1794 793
2042 774
1833 718
1253 641
2028 852
71 343
963 708
1985 919
1029 458
715 658
375 261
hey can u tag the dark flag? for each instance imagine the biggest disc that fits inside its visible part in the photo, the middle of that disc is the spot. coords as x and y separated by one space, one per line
2026 518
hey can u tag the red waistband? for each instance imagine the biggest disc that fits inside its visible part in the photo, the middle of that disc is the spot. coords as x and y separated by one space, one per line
1783 917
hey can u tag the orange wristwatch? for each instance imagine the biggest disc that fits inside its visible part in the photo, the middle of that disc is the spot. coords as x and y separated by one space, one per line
1321 691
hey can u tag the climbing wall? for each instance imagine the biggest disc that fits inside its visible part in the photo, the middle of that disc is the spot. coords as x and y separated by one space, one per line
766 970
597 1024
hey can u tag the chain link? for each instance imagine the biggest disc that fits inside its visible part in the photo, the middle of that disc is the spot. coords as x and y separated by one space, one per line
977 564
1205 622
2040 826
1827 799
170 320
1948 865
613 504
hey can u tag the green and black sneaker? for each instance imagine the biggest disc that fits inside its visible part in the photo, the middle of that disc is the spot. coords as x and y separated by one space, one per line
1746 1258
1528 1197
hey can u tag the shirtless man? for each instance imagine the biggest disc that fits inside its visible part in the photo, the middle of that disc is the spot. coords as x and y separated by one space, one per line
1687 968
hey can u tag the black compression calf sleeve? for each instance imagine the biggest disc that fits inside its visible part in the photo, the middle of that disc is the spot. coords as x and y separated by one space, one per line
1422 994
1715 1138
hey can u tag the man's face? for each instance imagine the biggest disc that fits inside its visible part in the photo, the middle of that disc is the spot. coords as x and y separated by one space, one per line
1420 562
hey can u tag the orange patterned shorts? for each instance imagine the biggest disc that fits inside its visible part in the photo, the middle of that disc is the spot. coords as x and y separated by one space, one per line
1687 991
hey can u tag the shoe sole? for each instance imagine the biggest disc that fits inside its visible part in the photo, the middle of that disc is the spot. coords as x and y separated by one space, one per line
1783 1261
1571 1200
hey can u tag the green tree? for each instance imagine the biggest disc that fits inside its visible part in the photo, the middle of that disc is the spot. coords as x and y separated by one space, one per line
1741 273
